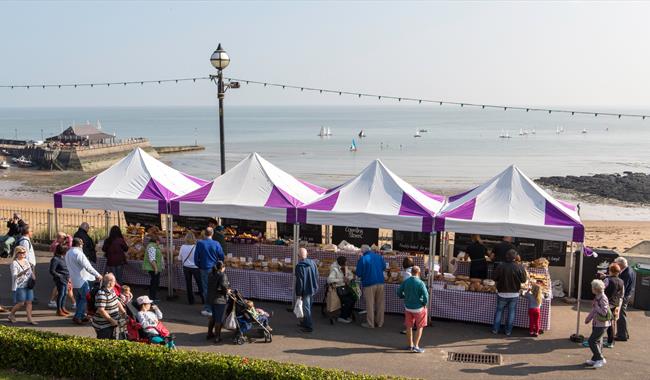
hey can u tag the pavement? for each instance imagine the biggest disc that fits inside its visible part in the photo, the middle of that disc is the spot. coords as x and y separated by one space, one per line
380 351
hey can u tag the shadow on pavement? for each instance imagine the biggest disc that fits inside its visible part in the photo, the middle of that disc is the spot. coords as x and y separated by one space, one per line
522 369
337 351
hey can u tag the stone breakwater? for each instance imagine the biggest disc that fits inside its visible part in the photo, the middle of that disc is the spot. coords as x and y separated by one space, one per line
628 187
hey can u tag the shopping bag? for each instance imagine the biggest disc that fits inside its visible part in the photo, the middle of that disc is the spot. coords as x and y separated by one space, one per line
333 301
356 290
297 309
230 323
162 330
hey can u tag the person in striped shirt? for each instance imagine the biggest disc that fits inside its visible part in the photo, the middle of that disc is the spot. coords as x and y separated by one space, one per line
110 312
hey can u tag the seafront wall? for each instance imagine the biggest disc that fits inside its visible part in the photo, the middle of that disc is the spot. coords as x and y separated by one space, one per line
102 157
178 149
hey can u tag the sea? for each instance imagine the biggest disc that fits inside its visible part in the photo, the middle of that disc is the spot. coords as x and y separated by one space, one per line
458 147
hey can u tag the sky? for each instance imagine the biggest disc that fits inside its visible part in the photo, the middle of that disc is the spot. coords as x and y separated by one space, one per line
579 54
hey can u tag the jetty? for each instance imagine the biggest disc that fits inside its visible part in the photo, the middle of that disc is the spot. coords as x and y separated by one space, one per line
178 149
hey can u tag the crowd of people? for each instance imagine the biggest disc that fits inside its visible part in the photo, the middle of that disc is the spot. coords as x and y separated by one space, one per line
105 302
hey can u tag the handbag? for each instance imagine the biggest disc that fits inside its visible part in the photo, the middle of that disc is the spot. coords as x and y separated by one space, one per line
333 301
231 322
297 309
605 318
355 289
162 330
343 291
31 281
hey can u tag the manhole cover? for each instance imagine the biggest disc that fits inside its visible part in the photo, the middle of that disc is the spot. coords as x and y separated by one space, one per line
463 357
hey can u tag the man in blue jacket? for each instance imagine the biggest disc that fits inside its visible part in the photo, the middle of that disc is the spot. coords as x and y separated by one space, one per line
206 255
370 268
629 281
306 288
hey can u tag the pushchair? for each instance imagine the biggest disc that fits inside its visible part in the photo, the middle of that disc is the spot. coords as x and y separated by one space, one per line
247 324
134 331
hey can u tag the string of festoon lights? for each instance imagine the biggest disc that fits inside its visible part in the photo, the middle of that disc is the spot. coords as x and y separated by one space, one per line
239 81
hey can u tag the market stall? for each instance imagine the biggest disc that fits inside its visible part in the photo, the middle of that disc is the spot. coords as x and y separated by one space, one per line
136 183
509 204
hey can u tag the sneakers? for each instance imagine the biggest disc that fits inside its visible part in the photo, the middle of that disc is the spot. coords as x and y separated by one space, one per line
367 326
74 306
418 350
410 348
598 364
585 343
206 313
590 362
608 345
344 320
52 305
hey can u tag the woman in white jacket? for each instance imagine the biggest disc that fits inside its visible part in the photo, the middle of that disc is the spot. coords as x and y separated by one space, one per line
339 279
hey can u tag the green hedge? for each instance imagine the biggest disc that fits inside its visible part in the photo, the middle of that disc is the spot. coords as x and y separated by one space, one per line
52 354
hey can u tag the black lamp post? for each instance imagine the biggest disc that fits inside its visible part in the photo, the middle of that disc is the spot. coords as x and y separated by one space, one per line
220 61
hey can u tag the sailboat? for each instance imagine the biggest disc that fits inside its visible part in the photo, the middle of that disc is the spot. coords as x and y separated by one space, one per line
362 133
584 130
328 131
323 132
504 135
533 131
417 133
353 146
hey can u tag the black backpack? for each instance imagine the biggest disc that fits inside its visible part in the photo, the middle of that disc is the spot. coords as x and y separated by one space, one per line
91 309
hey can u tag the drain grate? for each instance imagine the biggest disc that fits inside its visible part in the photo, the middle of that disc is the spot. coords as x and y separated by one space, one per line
463 357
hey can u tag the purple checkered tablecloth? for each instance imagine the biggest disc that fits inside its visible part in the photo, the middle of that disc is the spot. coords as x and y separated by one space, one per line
480 307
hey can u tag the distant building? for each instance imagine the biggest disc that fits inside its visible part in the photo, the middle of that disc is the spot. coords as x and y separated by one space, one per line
83 135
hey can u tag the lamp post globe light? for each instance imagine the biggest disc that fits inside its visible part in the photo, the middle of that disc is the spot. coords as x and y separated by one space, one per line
220 61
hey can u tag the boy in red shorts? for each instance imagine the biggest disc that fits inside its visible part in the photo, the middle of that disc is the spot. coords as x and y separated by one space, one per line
416 298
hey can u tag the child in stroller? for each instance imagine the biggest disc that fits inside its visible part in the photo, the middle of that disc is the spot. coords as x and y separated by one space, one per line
248 319
151 327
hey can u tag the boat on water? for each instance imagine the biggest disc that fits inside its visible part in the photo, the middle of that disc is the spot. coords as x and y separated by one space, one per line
533 131
417 133
323 132
584 131
504 135
424 130
362 133
353 146
4 165
328 131
523 132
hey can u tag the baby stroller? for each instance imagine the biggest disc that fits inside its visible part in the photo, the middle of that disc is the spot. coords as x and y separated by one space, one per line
134 331
245 321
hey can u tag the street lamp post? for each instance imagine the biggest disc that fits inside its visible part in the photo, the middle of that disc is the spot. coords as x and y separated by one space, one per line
220 61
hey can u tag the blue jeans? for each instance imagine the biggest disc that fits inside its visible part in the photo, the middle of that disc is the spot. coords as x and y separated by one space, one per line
306 310
60 297
204 280
80 298
512 307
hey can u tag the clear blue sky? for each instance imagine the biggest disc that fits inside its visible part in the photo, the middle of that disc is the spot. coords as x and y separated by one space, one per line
550 53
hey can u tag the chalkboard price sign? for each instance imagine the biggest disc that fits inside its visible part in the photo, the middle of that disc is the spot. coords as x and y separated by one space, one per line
311 233
144 219
408 241
554 252
355 235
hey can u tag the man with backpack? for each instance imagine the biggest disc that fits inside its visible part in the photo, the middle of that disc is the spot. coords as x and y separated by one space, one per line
81 271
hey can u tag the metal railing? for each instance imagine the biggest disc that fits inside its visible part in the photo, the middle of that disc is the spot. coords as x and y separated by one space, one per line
45 225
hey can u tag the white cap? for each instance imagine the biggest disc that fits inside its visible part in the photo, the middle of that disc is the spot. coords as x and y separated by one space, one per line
143 299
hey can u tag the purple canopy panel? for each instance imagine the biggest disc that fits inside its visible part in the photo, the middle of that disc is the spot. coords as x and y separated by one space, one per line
196 196
325 204
156 191
465 211
439 198
76 190
456 197
553 216
281 199
196 180
317 189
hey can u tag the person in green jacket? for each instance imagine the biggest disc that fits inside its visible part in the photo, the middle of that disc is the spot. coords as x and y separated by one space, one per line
416 300
153 263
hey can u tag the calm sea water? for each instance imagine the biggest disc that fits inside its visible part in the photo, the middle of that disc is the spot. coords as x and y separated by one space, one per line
461 148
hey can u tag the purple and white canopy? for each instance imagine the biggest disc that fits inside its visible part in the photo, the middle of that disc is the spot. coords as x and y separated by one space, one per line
511 204
136 183
374 198
254 189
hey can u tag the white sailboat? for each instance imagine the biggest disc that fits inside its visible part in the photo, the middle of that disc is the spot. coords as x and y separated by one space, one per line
533 131
328 131
323 132
417 133
504 134
353 146
584 131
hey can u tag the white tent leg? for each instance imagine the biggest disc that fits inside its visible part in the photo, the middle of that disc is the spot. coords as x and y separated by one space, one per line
56 220
432 253
170 255
296 248
579 297
571 270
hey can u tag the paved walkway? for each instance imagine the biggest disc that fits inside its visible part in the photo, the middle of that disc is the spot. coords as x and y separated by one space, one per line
379 351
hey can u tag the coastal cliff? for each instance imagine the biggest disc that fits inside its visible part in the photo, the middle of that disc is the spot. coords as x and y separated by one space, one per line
628 187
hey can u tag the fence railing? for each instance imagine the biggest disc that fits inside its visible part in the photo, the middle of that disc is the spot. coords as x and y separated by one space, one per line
45 224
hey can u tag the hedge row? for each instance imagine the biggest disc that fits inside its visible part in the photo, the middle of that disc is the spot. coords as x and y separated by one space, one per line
51 354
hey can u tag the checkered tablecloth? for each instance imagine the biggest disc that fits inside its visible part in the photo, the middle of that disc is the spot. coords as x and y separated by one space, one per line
462 268
480 307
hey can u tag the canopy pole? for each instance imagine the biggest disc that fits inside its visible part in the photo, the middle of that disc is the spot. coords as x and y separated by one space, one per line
296 248
56 220
432 253
571 270
170 255
579 297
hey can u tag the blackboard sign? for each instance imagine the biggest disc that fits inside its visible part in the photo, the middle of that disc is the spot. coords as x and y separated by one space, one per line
312 233
555 252
244 226
194 223
144 219
355 235
528 249
408 241
462 241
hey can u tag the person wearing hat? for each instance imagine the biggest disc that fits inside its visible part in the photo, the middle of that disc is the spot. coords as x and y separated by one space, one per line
153 262
220 236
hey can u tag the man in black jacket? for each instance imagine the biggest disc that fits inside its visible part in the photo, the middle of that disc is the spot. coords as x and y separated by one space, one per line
89 244
629 280
509 276
15 226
